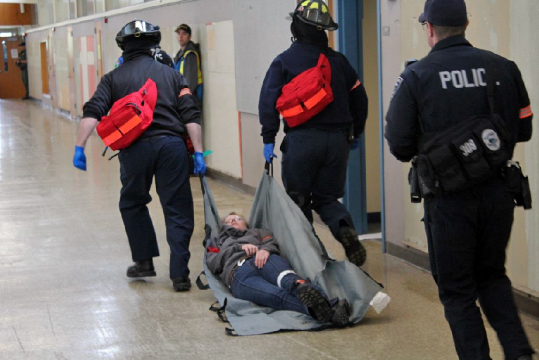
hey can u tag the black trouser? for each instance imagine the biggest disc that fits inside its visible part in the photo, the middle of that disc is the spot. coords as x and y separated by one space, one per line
467 235
314 174
24 76
166 158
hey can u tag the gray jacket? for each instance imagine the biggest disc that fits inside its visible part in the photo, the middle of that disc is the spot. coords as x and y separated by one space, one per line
223 259
190 68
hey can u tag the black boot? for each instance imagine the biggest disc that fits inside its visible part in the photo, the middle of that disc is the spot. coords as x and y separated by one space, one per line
316 303
341 313
524 357
142 268
182 283
355 252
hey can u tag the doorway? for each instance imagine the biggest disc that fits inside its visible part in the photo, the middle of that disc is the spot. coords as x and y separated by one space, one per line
11 85
44 68
357 24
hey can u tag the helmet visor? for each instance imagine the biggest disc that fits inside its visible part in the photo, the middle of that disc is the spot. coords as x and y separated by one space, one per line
316 16
137 27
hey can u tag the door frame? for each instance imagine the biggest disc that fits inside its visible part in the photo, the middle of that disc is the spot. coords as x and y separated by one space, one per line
350 39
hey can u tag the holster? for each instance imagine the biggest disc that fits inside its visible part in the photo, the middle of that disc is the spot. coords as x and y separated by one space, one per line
517 184
413 180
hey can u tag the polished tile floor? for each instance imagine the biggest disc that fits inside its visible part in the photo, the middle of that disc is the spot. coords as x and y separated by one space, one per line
63 256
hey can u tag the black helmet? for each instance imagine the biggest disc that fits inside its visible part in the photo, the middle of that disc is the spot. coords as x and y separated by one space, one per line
138 28
315 13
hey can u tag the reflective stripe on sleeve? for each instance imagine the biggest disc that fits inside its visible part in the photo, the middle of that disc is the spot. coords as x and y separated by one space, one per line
526 112
185 91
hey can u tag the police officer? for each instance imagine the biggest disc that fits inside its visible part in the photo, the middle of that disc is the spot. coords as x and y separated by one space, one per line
315 154
160 151
467 230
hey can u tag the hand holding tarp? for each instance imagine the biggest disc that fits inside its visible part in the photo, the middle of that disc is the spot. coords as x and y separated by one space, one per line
268 152
200 165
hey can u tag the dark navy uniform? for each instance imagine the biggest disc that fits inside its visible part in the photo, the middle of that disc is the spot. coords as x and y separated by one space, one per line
315 154
468 230
160 151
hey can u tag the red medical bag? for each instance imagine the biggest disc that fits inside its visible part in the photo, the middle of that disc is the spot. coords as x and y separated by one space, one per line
307 94
129 117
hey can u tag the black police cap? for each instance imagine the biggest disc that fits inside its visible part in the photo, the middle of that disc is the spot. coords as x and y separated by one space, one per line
445 13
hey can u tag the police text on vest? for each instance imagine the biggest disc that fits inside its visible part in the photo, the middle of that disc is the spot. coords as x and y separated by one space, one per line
463 78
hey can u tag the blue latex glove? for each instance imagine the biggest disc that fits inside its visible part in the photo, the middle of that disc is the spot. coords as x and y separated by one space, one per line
268 152
355 144
79 159
200 165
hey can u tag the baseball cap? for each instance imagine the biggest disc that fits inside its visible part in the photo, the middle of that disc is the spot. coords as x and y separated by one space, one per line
444 13
184 27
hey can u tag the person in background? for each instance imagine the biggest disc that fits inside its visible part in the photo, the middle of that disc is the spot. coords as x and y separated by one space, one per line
22 64
187 61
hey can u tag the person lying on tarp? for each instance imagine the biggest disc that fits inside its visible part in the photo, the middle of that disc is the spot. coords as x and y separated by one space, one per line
248 262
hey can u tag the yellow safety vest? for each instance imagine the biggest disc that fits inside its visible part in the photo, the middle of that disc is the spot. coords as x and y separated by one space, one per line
199 72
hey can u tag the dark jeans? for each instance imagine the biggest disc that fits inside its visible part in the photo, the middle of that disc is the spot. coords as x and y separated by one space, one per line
24 76
166 158
467 235
260 285
314 174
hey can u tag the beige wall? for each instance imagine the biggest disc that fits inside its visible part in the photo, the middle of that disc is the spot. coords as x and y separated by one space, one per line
524 28
507 28
62 68
221 122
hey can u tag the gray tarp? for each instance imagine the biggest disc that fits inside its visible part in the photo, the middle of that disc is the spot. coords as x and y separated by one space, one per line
274 210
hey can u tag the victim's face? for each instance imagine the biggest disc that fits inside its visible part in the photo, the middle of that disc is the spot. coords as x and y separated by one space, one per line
236 222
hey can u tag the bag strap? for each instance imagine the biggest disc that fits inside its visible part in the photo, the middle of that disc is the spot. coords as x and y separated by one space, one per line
491 83
324 66
200 284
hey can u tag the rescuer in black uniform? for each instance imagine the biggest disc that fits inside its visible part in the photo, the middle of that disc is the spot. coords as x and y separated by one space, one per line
467 230
160 151
315 153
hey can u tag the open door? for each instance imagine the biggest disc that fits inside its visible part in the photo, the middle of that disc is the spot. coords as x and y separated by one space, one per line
44 68
11 85
363 197
351 45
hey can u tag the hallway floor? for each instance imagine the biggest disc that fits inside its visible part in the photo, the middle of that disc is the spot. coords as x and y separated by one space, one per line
64 252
